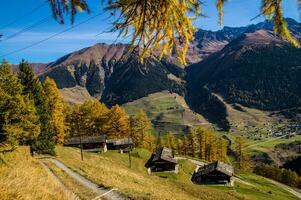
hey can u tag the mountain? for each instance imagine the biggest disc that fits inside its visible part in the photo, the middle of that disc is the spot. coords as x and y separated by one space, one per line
257 70
110 74
229 69
208 42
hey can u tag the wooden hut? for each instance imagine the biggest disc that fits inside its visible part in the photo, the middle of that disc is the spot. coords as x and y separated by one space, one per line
214 173
123 145
162 160
90 143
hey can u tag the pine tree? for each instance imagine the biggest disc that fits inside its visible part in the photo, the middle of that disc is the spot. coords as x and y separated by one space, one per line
56 108
118 124
32 87
18 119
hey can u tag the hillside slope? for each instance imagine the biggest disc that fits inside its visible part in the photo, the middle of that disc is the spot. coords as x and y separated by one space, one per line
111 75
167 111
257 70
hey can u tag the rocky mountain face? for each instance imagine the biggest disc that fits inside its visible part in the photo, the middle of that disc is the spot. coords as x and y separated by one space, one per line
257 70
110 74
248 65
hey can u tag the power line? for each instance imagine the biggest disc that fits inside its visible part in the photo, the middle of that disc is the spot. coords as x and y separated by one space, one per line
23 16
52 36
27 28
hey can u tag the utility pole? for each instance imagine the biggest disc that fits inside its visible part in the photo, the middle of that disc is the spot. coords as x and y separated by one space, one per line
81 149
80 141
130 159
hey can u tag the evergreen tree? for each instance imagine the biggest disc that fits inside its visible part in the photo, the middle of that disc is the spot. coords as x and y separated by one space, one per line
18 119
56 109
32 87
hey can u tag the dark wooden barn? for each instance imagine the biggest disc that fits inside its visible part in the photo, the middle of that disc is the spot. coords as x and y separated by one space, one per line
214 173
90 143
124 144
162 160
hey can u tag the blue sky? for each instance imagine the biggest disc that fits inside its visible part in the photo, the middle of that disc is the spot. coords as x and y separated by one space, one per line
237 13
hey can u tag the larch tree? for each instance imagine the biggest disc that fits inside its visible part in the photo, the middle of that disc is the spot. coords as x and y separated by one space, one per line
56 108
222 150
171 141
18 119
118 123
75 121
166 25
149 141
242 158
140 126
192 142
201 142
95 117
45 143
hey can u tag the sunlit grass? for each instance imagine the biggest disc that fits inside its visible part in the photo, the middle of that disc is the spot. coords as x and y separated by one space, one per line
22 177
112 170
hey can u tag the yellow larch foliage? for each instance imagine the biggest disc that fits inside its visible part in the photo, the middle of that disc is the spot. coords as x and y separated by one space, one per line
117 125
56 107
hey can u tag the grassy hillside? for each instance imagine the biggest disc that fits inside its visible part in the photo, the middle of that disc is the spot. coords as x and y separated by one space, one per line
168 112
111 169
22 177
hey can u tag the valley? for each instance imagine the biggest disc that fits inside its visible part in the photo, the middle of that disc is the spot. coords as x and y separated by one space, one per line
232 83
106 117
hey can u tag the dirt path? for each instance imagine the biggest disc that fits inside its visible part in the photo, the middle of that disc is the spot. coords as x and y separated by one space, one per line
107 193
71 194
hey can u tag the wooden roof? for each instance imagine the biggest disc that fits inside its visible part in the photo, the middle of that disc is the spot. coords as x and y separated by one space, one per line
86 140
164 153
123 141
216 166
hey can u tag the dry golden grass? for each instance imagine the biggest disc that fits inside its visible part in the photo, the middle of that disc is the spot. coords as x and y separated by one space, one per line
111 169
23 178
81 191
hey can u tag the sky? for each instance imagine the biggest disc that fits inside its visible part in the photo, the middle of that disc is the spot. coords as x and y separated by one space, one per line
33 18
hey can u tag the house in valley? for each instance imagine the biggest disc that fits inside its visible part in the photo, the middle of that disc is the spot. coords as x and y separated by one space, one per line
89 143
162 161
214 173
